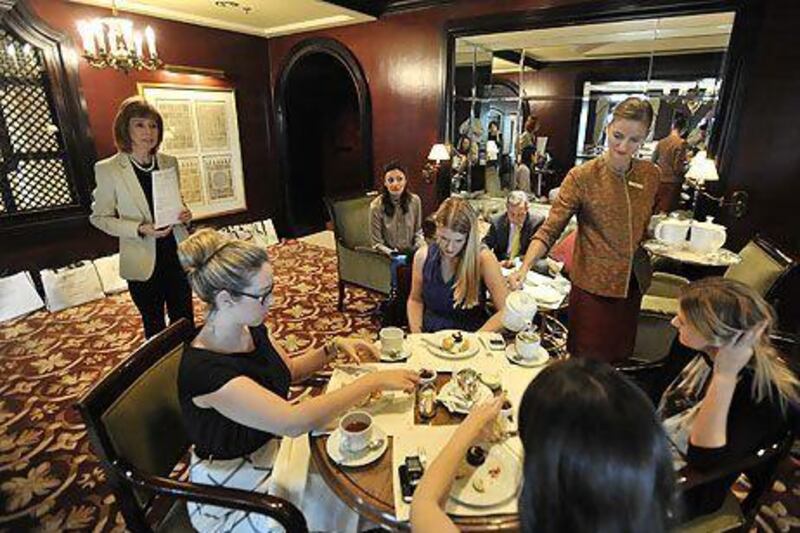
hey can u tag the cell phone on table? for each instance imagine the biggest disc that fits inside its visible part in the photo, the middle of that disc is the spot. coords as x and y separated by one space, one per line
410 473
497 342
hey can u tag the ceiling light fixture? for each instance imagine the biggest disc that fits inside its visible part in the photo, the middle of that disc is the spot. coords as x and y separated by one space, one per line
111 42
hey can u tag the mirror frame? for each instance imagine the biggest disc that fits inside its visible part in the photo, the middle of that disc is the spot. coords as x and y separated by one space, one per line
736 61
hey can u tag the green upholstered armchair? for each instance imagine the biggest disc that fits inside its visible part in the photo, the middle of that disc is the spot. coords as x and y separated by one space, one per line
134 422
359 263
763 266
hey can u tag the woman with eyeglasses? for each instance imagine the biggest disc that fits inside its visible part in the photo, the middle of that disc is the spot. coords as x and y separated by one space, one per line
613 197
736 395
234 379
450 277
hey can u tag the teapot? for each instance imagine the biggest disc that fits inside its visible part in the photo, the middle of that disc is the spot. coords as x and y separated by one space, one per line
707 237
672 231
520 309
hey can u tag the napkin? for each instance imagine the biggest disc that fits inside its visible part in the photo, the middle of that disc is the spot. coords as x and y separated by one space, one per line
391 414
294 478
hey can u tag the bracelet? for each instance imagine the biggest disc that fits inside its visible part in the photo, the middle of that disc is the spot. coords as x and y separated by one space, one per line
331 350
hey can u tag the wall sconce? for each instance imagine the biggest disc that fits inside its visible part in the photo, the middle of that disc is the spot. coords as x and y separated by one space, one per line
439 152
703 170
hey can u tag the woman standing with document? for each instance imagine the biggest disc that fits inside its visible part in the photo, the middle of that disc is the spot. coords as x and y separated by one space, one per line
123 206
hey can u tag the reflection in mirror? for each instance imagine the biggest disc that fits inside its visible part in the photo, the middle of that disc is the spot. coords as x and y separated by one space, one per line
563 82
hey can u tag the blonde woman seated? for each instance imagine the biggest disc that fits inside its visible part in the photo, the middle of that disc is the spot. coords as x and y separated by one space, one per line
234 381
732 398
450 276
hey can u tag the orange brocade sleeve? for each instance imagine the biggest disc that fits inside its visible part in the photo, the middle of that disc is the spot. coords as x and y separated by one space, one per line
566 204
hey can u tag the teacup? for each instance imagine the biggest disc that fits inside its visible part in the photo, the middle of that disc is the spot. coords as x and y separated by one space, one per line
427 375
391 340
528 344
356 430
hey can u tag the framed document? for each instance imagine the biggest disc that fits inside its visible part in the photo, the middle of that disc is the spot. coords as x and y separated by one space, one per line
201 129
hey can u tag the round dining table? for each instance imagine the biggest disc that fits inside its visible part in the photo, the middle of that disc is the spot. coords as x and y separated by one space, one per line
683 254
369 489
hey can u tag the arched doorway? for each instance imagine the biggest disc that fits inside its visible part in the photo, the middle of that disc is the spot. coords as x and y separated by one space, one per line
324 125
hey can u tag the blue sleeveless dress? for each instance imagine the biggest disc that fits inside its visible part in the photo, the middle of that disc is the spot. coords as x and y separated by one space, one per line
437 295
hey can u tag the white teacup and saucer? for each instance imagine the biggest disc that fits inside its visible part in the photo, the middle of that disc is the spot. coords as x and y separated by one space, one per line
527 350
392 345
357 441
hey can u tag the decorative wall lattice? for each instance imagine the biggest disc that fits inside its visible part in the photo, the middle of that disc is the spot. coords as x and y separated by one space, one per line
34 175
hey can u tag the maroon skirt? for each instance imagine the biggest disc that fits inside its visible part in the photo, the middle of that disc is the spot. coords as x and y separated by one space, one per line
601 327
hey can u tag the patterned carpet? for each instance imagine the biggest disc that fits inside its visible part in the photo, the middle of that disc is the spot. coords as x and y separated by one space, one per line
49 478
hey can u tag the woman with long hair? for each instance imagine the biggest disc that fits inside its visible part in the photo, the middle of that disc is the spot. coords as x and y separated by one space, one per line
612 197
396 214
122 206
234 379
450 277
736 394
595 457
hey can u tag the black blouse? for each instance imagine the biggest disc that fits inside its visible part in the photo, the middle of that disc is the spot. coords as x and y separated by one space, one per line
751 425
203 372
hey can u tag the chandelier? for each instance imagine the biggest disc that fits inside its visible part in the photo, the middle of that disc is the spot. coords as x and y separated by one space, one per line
112 42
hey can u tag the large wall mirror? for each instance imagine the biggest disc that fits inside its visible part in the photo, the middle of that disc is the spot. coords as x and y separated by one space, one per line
552 89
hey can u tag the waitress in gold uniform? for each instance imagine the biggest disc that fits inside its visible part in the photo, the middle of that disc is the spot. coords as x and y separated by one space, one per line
613 197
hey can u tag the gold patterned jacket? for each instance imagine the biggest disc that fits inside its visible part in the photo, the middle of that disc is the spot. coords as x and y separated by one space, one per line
613 212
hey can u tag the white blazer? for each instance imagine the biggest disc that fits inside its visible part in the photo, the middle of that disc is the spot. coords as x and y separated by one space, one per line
119 206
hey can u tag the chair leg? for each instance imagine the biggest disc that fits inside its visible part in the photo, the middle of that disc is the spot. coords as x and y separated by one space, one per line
341 296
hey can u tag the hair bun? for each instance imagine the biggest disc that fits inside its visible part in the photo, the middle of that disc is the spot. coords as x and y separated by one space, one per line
196 251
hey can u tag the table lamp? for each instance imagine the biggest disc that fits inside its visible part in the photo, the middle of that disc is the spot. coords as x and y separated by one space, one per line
438 153
701 171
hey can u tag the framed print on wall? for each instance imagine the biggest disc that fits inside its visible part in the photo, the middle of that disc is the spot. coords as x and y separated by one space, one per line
202 131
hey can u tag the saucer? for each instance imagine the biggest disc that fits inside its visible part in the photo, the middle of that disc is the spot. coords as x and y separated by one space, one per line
366 456
450 397
514 357
404 354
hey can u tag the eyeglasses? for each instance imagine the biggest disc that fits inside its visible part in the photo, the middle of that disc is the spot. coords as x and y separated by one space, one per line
262 298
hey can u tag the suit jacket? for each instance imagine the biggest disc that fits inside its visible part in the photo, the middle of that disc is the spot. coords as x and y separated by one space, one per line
497 237
119 206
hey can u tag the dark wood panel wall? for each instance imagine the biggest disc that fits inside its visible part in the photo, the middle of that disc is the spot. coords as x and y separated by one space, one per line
403 57
243 58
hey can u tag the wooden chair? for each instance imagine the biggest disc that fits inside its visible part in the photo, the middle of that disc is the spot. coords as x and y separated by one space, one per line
358 263
760 467
134 422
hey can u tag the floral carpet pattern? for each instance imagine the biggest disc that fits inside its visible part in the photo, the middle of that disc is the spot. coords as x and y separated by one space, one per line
50 480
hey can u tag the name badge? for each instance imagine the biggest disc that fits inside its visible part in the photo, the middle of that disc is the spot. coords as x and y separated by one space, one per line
636 185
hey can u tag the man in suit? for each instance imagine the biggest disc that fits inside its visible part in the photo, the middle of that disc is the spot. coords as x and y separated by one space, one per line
510 233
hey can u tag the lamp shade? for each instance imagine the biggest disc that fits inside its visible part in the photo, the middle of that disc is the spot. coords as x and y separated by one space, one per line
439 152
702 169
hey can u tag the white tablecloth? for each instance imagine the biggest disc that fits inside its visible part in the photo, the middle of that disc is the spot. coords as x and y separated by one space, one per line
397 417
